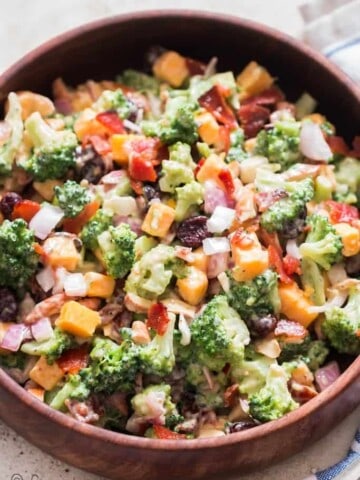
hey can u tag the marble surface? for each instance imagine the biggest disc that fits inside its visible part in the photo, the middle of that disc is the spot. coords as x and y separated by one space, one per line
24 25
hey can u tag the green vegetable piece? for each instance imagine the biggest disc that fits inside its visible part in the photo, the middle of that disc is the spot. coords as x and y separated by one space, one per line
115 100
9 149
313 280
74 388
97 225
139 81
71 198
188 197
117 245
51 348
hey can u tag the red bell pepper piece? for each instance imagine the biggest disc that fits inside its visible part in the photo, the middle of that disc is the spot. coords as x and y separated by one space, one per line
252 118
158 318
341 212
291 265
337 145
72 361
143 157
276 261
268 97
111 121
194 66
199 165
25 209
214 102
75 225
227 180
164 433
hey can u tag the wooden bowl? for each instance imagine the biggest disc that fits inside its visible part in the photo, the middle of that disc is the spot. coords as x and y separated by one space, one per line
100 50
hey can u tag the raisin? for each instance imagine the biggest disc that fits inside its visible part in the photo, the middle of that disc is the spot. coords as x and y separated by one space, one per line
261 327
192 231
90 166
8 305
150 192
241 426
293 228
8 202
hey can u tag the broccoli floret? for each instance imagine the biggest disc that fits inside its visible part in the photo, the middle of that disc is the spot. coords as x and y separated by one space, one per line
313 281
280 144
115 100
74 388
9 149
255 298
187 197
251 373
236 151
178 169
112 367
112 419
18 259
287 214
51 348
72 198
151 274
16 360
347 174
219 334
139 81
117 245
157 357
97 225
322 244
342 325
206 397
312 352
54 151
274 399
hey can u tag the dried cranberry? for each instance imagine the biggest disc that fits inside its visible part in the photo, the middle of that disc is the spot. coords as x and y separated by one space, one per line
8 202
261 327
241 426
192 231
8 305
293 228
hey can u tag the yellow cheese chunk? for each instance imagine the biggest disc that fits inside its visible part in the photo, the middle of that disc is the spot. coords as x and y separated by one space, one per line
193 288
99 285
61 252
350 237
295 305
46 189
158 220
171 67
120 147
78 319
199 259
253 80
210 170
208 128
249 263
47 376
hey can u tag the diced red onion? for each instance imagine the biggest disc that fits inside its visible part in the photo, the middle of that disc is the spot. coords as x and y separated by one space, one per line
221 219
131 126
217 264
337 274
134 223
45 220
42 329
75 285
45 278
121 205
313 144
293 249
213 197
63 105
214 245
14 336
327 375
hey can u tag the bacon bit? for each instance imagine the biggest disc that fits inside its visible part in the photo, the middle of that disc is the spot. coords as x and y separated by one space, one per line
276 261
293 332
214 102
341 212
291 265
143 156
337 145
25 209
355 152
100 144
264 200
137 186
158 318
227 180
195 67
111 121
301 393
231 395
270 239
199 165
75 225
72 361
47 308
164 433
252 118
268 97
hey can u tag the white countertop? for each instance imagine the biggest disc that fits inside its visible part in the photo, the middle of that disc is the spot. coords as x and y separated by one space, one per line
24 25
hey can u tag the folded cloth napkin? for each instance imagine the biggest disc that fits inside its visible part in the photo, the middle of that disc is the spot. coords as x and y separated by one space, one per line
333 26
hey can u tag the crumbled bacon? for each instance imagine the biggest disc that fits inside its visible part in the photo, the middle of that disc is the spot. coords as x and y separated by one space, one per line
252 118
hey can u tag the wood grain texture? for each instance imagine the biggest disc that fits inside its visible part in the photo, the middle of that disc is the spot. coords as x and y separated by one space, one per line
101 50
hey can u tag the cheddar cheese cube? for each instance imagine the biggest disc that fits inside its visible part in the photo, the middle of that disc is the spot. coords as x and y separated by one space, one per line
45 375
158 220
78 319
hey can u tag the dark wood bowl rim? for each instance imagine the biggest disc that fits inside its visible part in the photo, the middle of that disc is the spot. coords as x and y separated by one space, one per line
314 405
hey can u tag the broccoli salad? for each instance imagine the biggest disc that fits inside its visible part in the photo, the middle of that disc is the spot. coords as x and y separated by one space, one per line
179 249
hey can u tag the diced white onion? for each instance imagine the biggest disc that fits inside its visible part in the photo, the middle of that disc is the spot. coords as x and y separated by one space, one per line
216 245
312 142
45 220
221 219
224 281
75 285
42 329
184 330
45 278
60 274
337 274
293 249
249 166
120 205
131 126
